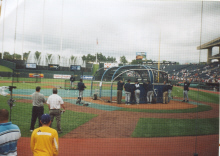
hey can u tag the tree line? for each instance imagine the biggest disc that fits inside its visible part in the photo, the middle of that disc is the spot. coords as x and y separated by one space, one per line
87 58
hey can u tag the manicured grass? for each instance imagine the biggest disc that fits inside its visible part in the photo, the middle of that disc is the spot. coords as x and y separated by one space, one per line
21 116
197 95
151 127
5 69
95 68
44 83
200 108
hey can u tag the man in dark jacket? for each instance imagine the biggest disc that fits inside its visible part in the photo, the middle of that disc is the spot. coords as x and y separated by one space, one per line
149 91
185 90
128 90
81 87
170 87
72 79
120 85
165 93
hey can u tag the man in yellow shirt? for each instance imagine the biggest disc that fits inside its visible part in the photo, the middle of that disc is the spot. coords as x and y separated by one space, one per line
44 140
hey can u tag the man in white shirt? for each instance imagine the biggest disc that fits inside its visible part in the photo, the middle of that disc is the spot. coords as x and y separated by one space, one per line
54 102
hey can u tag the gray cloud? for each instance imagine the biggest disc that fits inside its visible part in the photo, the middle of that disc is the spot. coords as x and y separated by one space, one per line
122 28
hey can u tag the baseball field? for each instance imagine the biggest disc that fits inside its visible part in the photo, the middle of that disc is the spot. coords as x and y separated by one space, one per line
103 128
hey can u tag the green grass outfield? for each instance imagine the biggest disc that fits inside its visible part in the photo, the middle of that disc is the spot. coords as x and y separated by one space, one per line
21 116
5 69
151 127
197 95
44 82
200 108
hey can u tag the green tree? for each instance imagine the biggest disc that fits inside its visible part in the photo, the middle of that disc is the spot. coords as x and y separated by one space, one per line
16 56
84 58
123 59
101 57
110 59
7 56
90 58
37 54
25 55
49 56
136 61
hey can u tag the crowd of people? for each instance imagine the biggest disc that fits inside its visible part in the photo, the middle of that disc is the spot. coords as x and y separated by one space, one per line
197 73
134 90
44 139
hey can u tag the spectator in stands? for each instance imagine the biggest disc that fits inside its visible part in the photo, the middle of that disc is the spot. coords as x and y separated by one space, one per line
54 102
38 101
185 90
137 92
165 93
44 140
128 90
9 135
120 85
81 87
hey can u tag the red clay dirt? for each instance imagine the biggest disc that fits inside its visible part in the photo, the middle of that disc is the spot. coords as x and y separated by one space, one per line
167 146
110 133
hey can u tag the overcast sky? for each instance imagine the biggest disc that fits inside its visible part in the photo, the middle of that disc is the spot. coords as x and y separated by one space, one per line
122 28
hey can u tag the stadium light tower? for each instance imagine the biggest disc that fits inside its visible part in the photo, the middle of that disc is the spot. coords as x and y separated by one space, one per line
97 50
0 8
159 58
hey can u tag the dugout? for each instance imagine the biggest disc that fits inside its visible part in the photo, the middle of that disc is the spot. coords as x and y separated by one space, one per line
104 82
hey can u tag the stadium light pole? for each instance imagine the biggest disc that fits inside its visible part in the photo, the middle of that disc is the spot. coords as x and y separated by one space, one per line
158 76
0 17
97 50
201 32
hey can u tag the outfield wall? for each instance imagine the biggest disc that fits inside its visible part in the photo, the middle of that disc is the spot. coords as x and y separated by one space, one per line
46 73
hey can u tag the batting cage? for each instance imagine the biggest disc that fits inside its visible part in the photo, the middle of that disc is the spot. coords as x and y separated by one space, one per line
104 84
115 78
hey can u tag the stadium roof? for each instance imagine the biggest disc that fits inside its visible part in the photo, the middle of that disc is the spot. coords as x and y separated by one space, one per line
210 44
217 56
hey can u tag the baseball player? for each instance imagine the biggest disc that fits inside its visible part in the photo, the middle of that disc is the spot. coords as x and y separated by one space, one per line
185 90
137 92
81 87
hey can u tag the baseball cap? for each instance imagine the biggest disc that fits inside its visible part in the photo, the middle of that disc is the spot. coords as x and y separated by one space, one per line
45 118
128 80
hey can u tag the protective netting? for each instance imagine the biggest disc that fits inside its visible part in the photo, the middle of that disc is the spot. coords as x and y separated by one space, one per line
173 46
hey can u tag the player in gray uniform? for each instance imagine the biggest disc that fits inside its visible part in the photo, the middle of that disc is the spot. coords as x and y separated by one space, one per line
81 87
137 92
128 89
185 90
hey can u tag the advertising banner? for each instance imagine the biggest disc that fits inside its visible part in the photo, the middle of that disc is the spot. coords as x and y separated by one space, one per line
31 65
36 75
58 76
109 65
141 56
86 77
53 67
75 67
